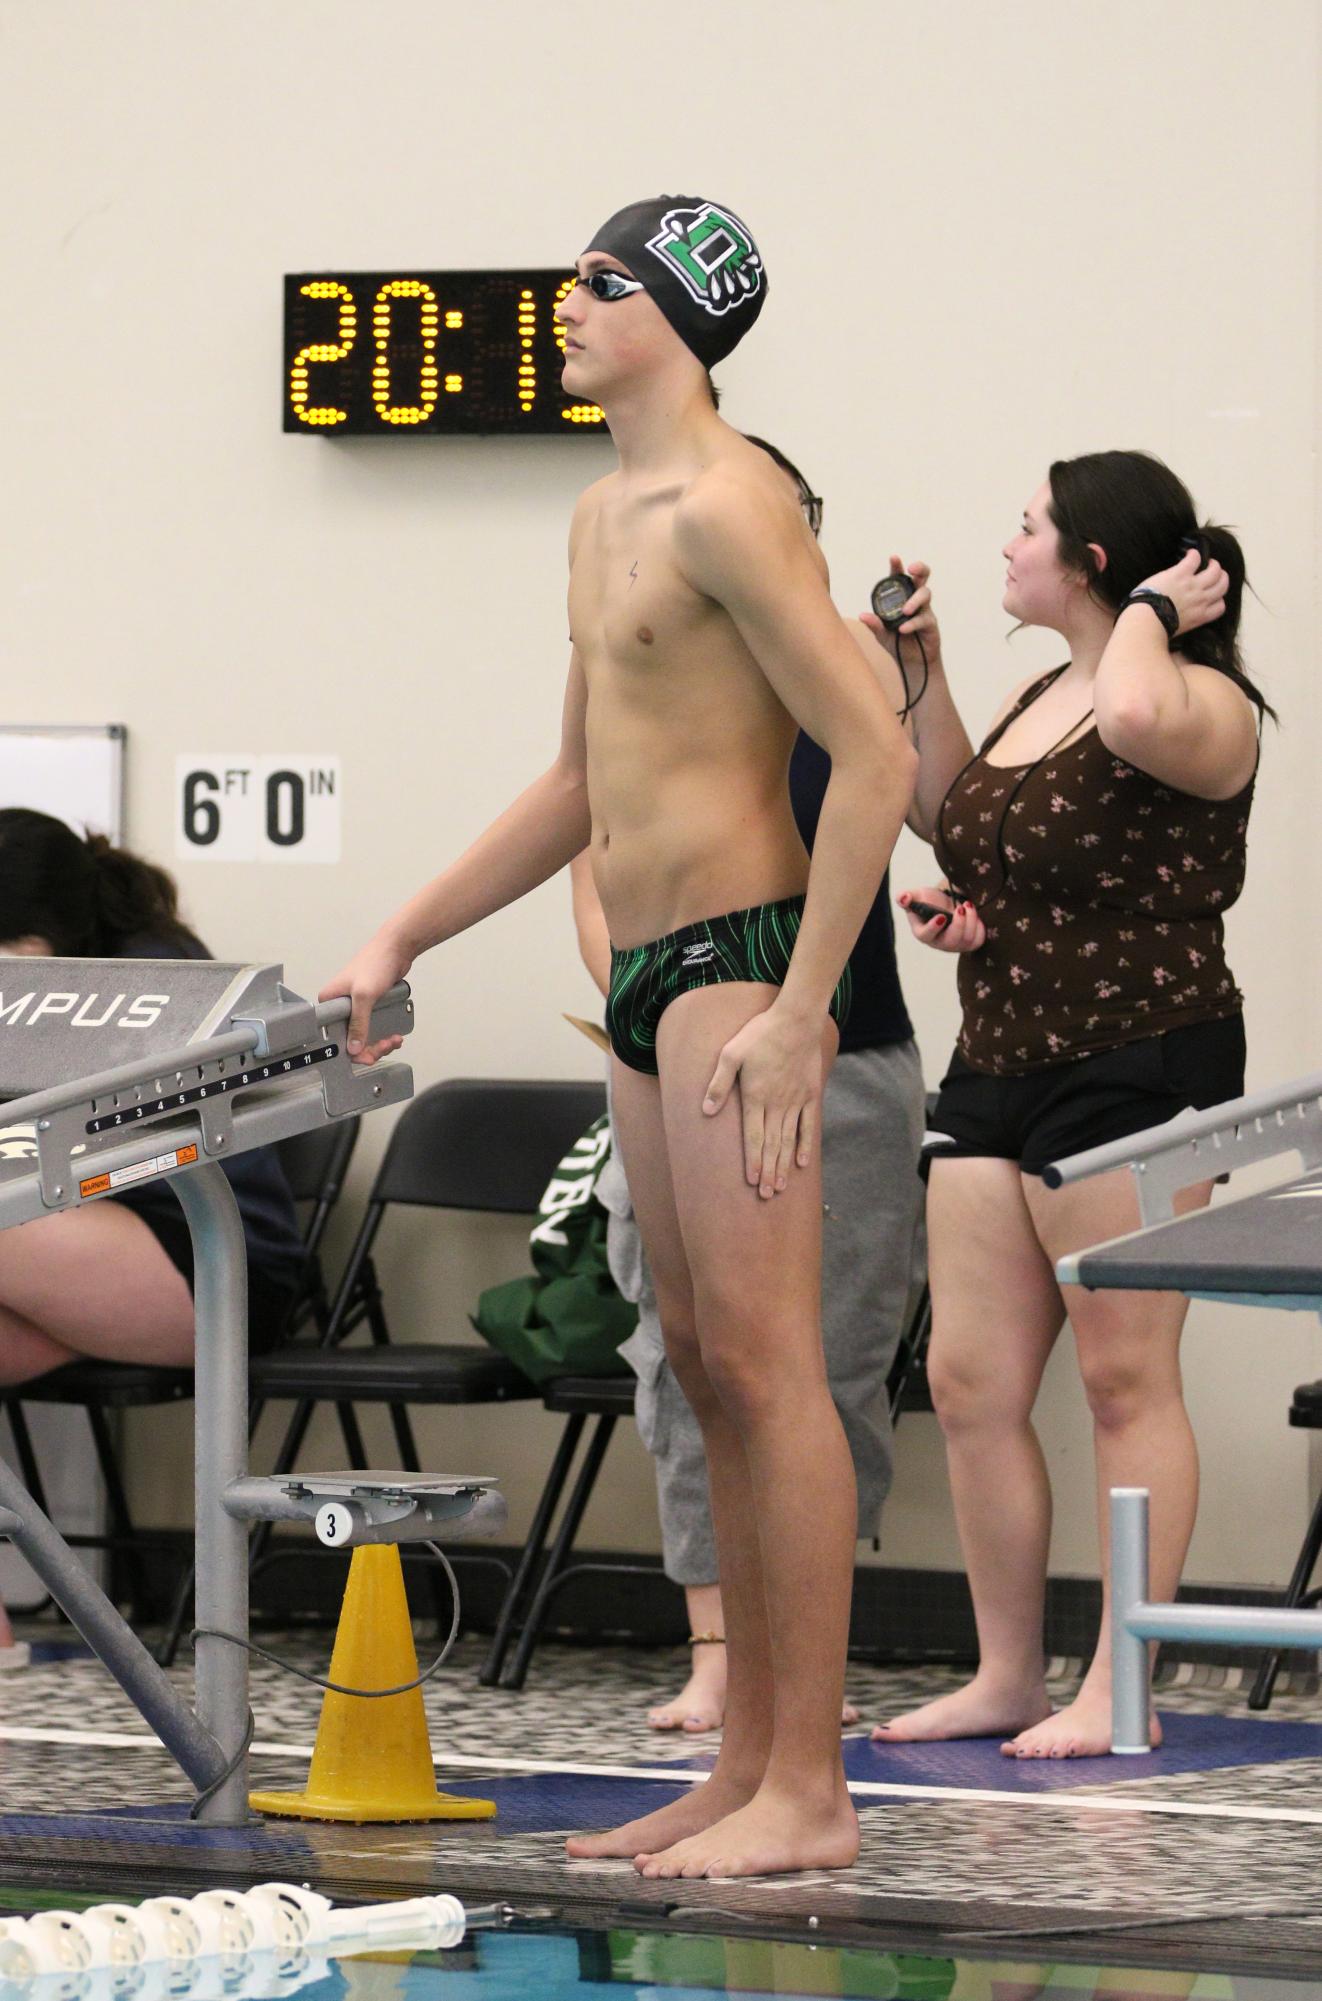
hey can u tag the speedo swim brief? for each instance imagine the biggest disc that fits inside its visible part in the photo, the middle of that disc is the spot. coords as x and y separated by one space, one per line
747 945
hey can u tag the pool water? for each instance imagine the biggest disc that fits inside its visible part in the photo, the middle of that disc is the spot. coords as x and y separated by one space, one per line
676 1966
545 1963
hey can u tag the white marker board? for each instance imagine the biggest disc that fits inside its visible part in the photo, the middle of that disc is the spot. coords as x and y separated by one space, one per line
73 770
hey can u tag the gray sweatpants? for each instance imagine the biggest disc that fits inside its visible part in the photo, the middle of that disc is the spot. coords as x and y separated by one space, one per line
872 1262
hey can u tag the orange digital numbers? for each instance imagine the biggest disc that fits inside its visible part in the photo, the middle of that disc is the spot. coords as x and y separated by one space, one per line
429 314
449 351
323 350
527 368
575 413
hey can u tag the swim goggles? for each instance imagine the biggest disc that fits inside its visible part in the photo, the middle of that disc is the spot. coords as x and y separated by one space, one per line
608 285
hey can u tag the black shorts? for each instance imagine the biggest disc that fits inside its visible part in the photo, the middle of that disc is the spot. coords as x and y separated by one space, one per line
1065 1108
269 1297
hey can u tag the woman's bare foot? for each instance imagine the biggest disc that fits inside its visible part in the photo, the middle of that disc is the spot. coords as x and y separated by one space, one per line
1081 1730
982 1709
699 1708
697 1809
768 1837
700 1704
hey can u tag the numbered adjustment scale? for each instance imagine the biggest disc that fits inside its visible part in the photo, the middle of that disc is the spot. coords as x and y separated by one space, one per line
379 353
121 1071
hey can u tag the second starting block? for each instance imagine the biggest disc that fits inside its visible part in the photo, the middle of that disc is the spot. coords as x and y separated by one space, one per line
124 1070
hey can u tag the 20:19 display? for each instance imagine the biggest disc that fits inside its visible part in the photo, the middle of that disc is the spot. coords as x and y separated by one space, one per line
378 353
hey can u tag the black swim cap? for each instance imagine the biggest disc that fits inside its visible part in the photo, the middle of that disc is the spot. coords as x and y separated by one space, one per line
699 263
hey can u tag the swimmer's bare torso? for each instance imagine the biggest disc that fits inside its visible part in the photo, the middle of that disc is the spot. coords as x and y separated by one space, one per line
688 745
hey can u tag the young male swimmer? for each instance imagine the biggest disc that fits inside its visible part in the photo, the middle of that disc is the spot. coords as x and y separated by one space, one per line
703 636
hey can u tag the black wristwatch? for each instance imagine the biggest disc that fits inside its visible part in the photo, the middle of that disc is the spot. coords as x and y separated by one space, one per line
1161 604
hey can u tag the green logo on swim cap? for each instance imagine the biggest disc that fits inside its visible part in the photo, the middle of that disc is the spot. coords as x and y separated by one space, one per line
712 254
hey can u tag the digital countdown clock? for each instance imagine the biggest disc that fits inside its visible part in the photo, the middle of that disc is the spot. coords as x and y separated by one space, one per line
404 354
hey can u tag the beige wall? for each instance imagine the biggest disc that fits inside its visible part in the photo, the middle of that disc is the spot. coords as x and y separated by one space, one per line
995 236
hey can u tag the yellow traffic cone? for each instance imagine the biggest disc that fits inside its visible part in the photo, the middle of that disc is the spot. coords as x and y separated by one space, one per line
372 1758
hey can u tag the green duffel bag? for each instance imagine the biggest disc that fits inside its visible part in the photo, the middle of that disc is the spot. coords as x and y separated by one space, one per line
567 1318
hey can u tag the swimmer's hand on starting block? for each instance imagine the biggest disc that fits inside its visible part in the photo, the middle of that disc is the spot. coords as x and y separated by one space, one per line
380 965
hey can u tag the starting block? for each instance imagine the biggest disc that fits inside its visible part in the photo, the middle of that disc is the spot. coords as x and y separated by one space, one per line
123 1070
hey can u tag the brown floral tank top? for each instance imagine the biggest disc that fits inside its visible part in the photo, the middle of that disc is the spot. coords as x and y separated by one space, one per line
1103 894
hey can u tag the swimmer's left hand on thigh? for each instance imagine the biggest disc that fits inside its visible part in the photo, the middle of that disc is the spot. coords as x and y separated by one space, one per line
778 1068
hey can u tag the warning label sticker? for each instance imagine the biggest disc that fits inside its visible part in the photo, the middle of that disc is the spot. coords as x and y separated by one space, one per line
122 1177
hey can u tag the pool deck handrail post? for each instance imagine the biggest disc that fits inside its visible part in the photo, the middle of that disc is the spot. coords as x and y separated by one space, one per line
1131 1726
1135 1622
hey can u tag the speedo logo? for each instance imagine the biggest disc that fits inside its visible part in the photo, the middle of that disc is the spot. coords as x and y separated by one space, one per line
92 1010
700 953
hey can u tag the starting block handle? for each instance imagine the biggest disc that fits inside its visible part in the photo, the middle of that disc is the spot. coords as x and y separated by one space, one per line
392 1014
296 1022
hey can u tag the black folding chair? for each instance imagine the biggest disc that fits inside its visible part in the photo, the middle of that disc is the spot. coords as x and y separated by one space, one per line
315 1164
475 1145
906 1384
103 1389
541 1576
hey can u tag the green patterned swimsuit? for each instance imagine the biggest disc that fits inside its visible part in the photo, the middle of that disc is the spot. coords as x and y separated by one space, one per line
747 945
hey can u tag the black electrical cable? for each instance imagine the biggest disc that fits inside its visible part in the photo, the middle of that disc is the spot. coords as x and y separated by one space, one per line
320 1681
230 1769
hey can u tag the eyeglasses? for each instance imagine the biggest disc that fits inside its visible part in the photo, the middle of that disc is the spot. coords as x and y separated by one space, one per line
811 503
608 285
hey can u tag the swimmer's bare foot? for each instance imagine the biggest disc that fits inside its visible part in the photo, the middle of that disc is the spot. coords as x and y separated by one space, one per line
769 1837
1081 1730
697 1809
982 1709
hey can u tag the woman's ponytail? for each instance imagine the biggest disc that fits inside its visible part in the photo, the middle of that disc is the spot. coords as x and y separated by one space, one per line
1140 513
133 898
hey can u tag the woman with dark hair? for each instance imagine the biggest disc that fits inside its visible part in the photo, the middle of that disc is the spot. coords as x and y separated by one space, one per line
1091 849
114 1278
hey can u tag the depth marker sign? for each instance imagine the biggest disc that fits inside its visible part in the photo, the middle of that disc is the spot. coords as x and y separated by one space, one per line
231 806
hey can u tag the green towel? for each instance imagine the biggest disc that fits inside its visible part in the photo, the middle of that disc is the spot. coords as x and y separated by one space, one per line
567 1318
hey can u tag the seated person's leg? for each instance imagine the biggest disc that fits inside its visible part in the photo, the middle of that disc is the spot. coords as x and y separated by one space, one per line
89 1281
